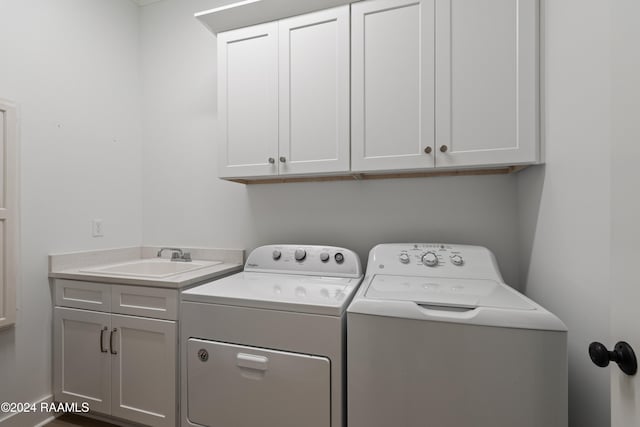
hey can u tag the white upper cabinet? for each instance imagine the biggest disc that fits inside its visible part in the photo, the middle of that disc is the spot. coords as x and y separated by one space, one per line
248 101
486 82
283 91
382 86
452 84
314 93
392 106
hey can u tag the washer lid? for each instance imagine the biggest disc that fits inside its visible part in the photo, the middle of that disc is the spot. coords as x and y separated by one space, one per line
286 292
444 292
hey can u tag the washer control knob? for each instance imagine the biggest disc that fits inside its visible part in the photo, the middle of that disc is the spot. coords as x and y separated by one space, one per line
276 255
430 259
457 260
300 254
339 257
404 258
324 257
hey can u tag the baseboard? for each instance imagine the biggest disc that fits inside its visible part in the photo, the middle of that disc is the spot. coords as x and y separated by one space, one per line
24 419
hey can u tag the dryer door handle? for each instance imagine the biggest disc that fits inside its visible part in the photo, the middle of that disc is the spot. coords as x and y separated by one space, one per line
252 361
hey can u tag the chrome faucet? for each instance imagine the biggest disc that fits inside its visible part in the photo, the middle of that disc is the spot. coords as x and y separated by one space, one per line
176 254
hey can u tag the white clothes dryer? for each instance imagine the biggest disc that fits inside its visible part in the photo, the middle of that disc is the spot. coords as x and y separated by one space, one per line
266 347
437 339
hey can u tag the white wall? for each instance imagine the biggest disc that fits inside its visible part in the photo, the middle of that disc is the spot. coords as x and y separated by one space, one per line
72 67
185 204
564 207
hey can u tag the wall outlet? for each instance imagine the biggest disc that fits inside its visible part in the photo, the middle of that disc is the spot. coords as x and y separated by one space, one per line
96 227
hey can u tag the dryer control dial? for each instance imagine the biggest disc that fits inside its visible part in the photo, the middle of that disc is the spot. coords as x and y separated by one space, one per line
457 260
404 258
276 255
300 254
430 259
324 257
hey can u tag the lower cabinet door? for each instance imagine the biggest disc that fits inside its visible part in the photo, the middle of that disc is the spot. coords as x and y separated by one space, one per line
239 386
81 359
144 370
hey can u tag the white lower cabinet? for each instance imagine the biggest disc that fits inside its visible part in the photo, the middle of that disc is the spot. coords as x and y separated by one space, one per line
81 358
143 372
121 365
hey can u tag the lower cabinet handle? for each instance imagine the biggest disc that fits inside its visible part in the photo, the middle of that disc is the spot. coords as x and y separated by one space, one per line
111 341
102 349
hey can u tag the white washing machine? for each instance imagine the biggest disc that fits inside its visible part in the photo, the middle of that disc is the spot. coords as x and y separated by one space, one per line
437 339
266 347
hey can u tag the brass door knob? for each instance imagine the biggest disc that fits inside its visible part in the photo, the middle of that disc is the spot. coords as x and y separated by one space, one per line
427 150
444 148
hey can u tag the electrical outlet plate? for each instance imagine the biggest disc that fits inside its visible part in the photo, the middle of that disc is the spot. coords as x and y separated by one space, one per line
96 226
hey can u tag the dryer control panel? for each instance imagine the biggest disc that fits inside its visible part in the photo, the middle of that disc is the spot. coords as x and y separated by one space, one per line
305 259
434 260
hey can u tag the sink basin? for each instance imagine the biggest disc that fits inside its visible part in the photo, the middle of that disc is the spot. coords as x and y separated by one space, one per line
152 268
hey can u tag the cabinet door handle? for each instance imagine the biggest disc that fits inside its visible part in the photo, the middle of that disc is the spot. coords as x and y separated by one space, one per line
111 341
102 349
272 160
444 148
283 159
427 150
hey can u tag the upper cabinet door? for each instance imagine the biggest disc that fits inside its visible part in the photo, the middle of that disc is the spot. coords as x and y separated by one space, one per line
392 104
248 101
314 92
486 82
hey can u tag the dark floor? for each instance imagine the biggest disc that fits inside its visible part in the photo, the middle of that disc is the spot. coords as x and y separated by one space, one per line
70 420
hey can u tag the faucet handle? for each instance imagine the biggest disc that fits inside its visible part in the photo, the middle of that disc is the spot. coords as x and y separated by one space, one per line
175 255
187 256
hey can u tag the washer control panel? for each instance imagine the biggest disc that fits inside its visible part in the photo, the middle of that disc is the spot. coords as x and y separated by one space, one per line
434 260
431 255
305 259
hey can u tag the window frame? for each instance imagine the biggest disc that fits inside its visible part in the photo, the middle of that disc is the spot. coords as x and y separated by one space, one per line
9 214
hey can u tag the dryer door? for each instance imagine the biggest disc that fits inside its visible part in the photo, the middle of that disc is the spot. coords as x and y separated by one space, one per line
239 386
